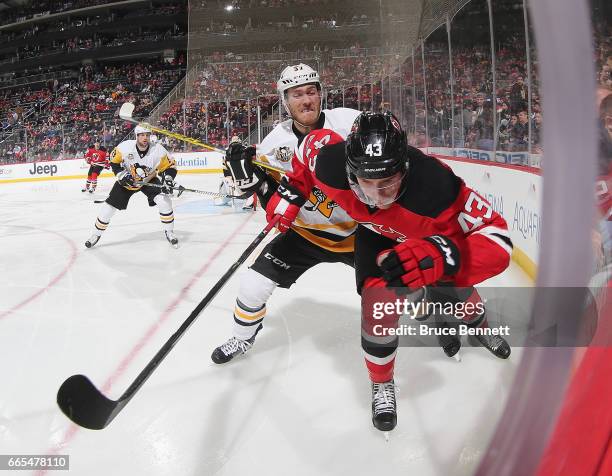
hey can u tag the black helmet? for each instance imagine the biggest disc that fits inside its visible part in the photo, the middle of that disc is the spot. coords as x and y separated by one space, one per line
376 147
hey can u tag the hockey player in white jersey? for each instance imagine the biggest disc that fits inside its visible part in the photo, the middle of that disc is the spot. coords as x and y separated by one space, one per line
135 162
321 232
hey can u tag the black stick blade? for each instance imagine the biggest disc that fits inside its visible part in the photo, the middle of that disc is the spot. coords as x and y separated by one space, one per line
83 403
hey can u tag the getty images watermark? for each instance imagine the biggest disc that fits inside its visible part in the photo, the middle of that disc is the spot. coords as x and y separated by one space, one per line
417 318
421 310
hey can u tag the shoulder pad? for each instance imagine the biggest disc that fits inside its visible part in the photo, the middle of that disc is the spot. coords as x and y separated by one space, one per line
313 143
116 155
323 153
431 186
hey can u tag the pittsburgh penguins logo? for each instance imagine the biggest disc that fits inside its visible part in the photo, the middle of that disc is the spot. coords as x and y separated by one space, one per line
139 172
317 197
319 201
283 154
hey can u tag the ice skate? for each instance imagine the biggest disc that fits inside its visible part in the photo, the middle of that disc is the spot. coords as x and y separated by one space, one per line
172 239
495 344
384 411
93 239
233 347
451 344
250 204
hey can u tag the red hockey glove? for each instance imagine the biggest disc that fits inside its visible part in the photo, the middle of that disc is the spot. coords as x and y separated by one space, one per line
418 263
285 202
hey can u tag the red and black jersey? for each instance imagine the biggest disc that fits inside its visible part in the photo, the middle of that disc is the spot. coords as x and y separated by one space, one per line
603 193
435 202
97 157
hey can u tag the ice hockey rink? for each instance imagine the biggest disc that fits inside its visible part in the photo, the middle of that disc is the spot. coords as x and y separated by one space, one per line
298 403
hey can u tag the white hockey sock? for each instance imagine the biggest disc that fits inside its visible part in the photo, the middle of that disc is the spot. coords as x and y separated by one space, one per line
255 290
166 215
103 219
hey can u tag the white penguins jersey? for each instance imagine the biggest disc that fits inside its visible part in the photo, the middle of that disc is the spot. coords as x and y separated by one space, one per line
320 220
156 160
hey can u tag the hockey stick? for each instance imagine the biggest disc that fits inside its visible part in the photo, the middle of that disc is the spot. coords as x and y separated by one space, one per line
125 113
182 189
86 406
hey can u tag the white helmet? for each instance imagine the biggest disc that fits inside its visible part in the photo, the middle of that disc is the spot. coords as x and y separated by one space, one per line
297 75
141 130
294 76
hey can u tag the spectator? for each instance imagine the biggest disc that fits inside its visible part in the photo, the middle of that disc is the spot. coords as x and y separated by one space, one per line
518 95
519 134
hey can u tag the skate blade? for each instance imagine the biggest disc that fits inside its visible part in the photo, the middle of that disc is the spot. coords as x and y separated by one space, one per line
457 357
386 436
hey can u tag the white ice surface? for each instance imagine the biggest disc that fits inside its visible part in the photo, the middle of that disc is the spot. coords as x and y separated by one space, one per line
297 403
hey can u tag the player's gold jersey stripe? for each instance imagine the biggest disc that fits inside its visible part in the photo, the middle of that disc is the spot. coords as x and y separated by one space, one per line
347 245
347 225
249 317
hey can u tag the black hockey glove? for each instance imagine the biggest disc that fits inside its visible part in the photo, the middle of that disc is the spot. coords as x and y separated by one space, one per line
125 179
239 161
415 263
168 185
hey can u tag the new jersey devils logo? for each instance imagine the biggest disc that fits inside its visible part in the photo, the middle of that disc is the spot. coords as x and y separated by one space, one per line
386 231
396 124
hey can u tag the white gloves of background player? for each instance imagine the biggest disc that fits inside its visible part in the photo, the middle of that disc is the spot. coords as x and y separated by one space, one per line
125 178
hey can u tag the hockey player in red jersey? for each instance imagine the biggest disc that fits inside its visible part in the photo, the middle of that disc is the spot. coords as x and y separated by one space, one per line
97 158
419 226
